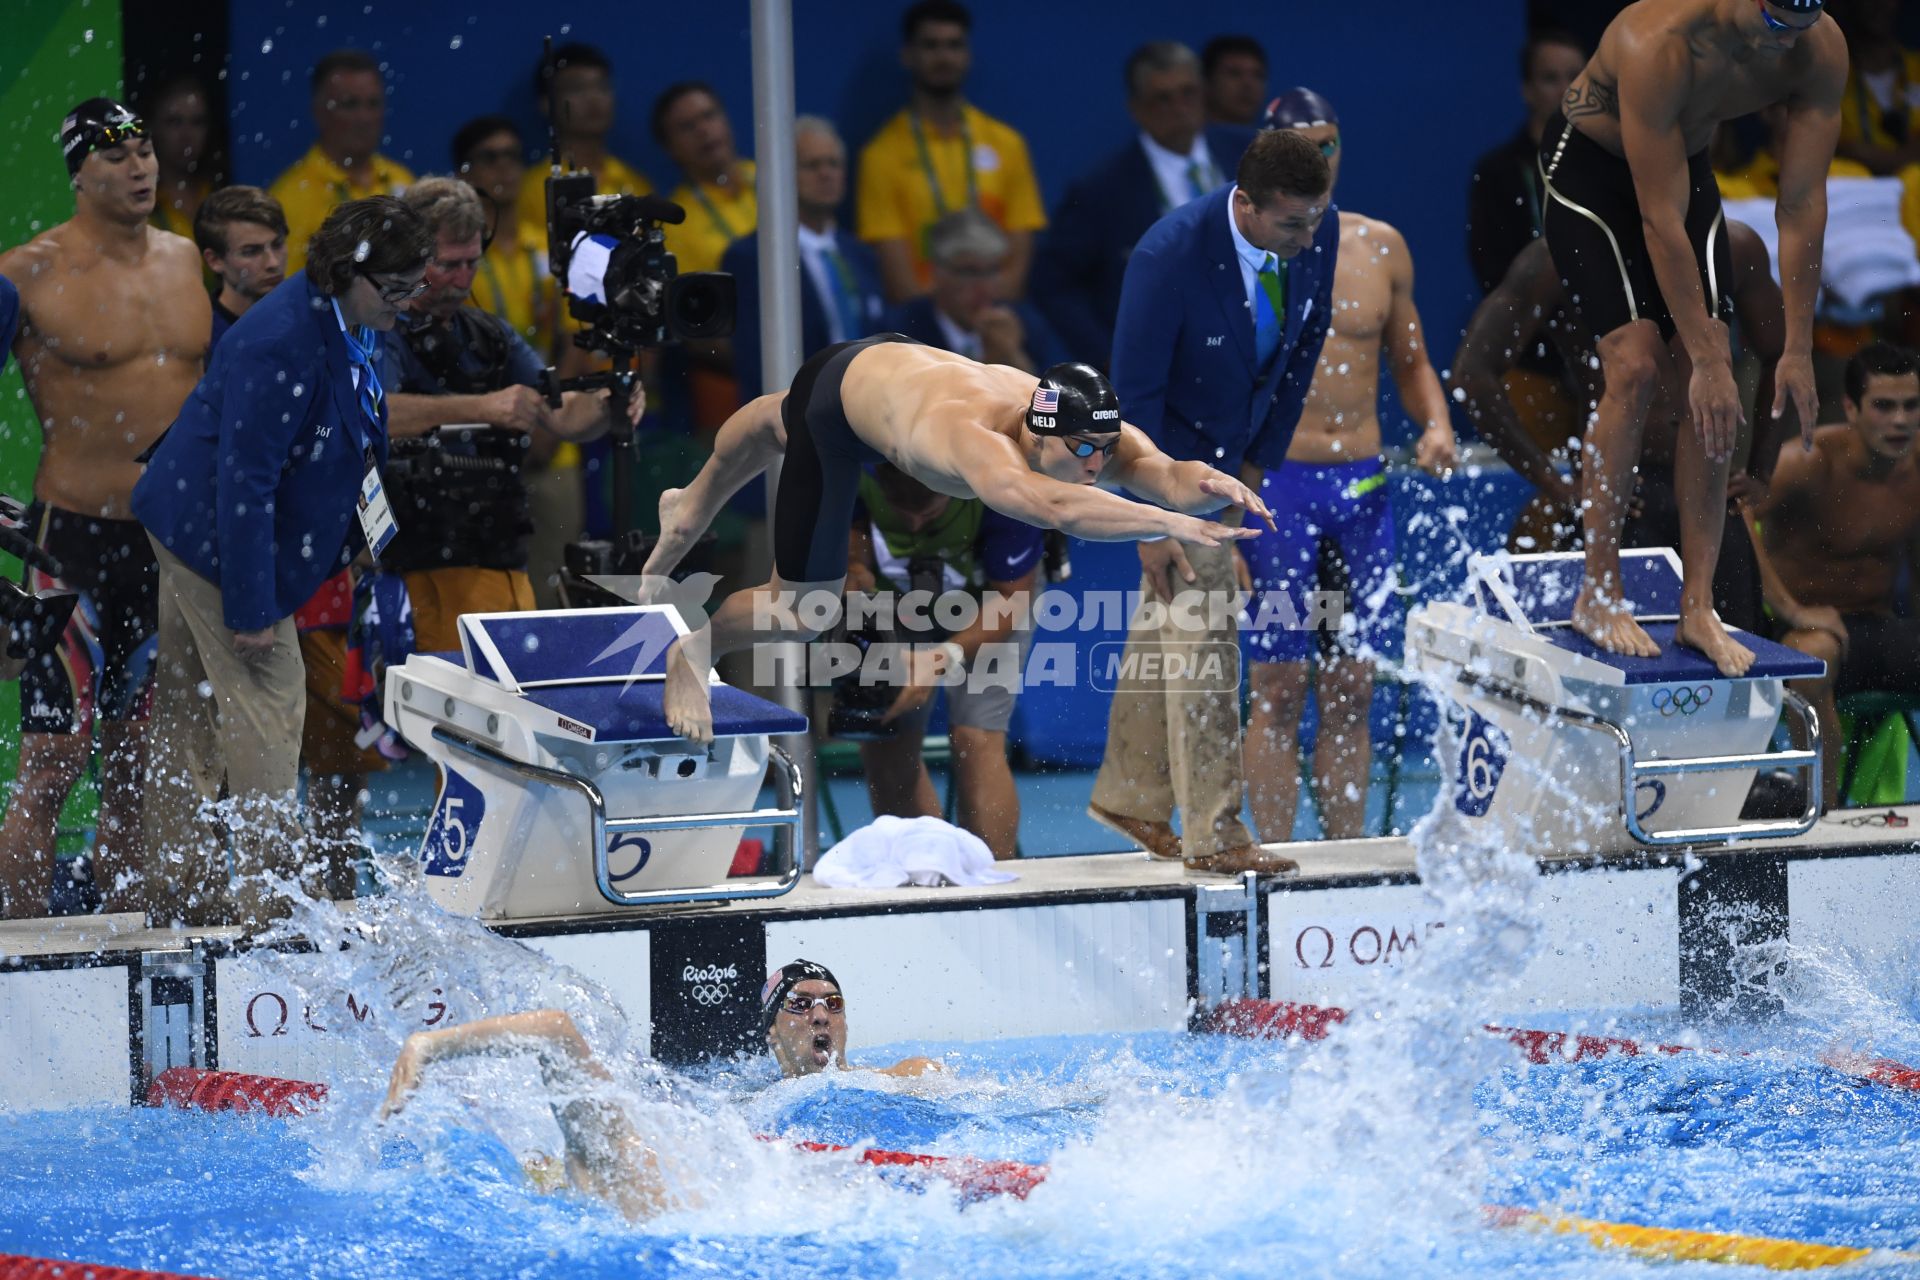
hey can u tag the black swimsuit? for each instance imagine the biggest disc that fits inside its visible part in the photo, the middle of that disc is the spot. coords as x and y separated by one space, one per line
820 478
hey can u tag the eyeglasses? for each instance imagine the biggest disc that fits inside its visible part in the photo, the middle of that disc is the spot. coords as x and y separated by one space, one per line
1087 448
396 292
1774 24
798 1004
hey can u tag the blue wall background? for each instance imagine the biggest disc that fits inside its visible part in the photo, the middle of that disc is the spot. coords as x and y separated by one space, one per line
1421 88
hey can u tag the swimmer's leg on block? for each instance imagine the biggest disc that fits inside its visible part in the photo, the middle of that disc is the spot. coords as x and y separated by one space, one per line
1700 491
1632 358
776 611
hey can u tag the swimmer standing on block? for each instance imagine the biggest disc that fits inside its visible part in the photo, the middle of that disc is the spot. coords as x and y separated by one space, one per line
1634 224
1030 449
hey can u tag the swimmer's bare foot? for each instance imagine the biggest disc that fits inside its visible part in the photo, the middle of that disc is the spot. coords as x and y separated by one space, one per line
675 535
1702 629
1610 624
685 700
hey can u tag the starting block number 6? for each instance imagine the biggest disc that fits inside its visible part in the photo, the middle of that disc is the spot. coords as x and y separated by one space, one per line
455 824
1483 758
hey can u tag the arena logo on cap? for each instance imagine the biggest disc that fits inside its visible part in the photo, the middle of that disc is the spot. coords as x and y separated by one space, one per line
1104 415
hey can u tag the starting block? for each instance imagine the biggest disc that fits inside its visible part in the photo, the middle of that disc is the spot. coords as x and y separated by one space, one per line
563 792
1576 748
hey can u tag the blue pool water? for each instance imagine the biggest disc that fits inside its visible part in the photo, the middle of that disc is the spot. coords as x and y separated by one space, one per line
1172 1155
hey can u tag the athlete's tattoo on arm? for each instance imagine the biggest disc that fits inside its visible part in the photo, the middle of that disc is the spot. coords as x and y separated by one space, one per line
1595 99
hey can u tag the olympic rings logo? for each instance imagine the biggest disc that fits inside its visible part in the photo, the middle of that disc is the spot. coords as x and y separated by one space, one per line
1683 701
711 994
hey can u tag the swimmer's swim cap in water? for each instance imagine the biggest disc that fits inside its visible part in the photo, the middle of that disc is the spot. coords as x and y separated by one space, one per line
786 978
1073 400
1299 108
96 123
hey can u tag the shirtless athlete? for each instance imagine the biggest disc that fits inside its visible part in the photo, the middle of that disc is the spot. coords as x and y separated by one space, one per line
114 331
1029 448
1634 224
1838 521
1334 519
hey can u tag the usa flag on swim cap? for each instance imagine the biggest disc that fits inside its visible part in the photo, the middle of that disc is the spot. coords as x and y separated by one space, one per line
1046 399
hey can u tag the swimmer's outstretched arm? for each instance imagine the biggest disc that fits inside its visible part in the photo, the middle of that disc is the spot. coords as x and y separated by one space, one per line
605 1156
994 470
1191 486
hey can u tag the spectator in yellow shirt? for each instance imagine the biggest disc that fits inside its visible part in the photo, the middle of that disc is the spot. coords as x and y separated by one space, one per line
176 118
692 128
575 90
513 281
350 113
1880 115
940 155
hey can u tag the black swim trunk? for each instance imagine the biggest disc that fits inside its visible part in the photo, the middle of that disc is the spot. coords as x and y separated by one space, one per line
820 477
103 666
1593 230
1736 578
1883 654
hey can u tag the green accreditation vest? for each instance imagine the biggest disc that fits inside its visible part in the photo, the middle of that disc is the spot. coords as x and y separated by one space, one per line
954 538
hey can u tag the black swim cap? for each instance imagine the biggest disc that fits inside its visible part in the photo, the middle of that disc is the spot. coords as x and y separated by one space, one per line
786 978
1299 108
1799 6
96 123
1073 400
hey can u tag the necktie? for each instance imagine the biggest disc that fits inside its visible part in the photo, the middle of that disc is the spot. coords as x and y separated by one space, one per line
1199 178
846 294
1269 307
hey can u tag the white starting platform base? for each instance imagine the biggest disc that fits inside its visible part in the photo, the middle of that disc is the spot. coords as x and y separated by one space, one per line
563 792
1573 748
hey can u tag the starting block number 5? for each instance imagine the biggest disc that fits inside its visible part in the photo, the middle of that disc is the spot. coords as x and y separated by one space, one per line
455 824
1483 758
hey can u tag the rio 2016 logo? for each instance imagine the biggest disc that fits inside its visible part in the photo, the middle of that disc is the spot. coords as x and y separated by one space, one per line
1483 758
455 825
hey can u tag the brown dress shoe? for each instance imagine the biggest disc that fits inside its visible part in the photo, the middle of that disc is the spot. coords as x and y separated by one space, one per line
1157 838
1242 858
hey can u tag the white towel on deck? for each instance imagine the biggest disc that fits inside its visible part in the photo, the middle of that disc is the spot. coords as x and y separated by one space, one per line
890 852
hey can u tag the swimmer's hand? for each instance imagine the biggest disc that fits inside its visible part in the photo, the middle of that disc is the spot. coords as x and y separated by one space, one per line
1435 452
1219 484
413 1059
913 1067
1793 384
1207 533
1714 400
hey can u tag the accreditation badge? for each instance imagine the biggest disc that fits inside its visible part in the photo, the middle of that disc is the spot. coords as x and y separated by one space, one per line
376 516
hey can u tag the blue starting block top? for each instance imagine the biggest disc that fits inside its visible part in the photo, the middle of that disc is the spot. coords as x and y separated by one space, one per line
634 714
1678 664
1546 586
568 647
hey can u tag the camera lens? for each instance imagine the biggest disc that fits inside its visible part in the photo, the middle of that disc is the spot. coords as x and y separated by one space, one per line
702 304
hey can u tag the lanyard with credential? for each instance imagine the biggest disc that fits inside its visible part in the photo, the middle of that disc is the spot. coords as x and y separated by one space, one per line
370 393
926 163
713 211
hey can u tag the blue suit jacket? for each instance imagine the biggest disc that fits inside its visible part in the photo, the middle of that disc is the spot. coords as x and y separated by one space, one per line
256 485
742 261
1183 350
916 319
1079 264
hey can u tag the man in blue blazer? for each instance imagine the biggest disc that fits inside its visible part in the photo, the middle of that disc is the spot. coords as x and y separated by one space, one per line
840 296
255 496
964 313
1222 316
1176 157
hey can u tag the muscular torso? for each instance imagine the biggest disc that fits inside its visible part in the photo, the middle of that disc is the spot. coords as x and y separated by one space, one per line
917 405
110 347
1729 77
1340 421
1840 541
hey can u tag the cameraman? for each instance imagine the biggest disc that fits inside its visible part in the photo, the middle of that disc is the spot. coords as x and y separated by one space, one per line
900 522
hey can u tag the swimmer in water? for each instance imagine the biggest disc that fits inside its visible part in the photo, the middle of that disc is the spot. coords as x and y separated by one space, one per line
805 1018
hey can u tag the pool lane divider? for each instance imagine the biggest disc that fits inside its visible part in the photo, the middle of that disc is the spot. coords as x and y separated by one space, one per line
14 1266
979 1179
1286 1020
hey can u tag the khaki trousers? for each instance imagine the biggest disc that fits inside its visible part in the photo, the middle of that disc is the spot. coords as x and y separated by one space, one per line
219 720
1173 735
